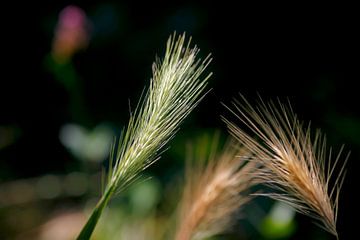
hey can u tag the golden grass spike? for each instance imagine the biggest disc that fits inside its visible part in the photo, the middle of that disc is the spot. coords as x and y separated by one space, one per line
213 192
291 161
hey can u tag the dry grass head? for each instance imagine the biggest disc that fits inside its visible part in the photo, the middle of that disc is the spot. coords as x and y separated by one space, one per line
292 160
214 191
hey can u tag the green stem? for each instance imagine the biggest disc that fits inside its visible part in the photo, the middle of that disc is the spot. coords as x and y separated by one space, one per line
90 225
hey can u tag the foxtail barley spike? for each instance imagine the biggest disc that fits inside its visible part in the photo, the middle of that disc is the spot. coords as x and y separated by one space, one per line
292 161
175 89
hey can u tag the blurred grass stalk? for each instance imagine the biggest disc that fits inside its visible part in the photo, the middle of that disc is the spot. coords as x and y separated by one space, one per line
175 89
216 187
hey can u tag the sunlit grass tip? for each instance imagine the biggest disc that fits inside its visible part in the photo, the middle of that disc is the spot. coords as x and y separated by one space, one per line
175 89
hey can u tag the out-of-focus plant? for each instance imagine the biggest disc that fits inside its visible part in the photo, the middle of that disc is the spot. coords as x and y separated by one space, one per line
279 223
87 145
215 189
175 89
71 34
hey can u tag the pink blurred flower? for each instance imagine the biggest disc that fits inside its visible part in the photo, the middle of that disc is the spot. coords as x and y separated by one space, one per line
71 33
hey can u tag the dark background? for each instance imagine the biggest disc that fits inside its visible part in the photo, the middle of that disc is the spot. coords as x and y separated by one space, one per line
306 53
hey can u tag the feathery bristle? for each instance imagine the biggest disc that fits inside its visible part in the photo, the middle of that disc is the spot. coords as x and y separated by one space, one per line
214 191
176 88
291 161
